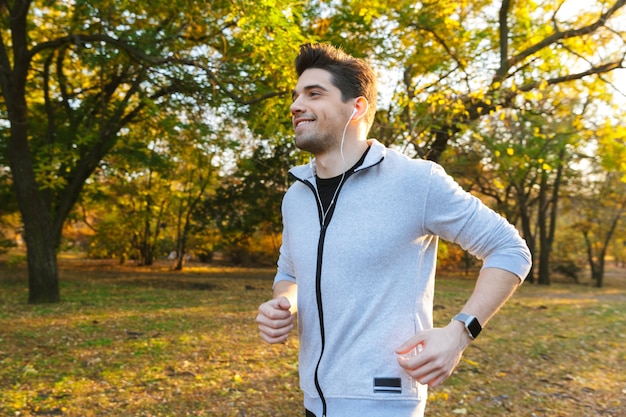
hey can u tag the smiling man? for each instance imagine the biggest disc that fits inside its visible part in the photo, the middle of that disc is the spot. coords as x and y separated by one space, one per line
357 262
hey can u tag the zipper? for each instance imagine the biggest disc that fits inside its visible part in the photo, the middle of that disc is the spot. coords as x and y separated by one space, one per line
320 312
324 219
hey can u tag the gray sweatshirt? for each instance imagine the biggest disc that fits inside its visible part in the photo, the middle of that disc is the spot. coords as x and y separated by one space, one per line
366 277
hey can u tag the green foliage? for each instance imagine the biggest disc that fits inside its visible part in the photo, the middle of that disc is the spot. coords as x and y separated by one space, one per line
81 78
110 92
246 206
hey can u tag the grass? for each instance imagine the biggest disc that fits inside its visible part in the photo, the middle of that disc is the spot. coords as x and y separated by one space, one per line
149 342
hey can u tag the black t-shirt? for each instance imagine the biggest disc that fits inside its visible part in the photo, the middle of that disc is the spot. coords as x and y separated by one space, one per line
327 187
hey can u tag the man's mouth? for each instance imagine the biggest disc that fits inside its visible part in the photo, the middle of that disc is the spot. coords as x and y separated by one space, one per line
302 122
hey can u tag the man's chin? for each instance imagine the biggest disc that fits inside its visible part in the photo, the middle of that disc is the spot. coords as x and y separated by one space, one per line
312 143
304 144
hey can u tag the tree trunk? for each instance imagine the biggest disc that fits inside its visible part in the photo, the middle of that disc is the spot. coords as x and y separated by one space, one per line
180 239
41 243
597 268
592 264
598 272
43 278
181 245
527 230
547 223
544 241
43 281
180 255
145 248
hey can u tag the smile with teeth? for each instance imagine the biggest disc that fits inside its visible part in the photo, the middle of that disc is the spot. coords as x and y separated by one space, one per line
302 122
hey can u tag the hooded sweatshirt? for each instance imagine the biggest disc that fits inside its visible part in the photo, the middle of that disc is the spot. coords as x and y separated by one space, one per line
365 273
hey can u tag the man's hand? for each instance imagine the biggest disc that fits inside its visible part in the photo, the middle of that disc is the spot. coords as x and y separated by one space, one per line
432 355
275 320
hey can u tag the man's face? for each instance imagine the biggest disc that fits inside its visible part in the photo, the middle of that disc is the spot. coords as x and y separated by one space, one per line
318 114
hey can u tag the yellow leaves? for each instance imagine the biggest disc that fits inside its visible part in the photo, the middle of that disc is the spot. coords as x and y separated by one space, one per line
544 165
537 133
534 95
509 151
242 21
321 26
611 138
577 123
19 400
438 396
367 14
470 362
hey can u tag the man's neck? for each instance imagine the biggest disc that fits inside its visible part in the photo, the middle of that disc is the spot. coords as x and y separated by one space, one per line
331 164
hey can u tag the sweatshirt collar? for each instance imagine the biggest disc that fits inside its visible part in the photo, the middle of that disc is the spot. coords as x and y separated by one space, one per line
375 155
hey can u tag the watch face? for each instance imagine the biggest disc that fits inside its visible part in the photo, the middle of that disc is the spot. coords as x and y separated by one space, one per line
474 327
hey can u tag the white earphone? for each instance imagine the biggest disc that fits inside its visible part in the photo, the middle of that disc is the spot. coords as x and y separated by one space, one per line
353 113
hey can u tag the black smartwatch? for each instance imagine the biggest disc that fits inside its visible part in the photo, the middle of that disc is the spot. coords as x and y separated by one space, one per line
472 325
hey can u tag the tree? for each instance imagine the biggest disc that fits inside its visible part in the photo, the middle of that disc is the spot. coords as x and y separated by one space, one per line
196 175
601 203
247 202
459 62
128 200
602 206
524 158
75 77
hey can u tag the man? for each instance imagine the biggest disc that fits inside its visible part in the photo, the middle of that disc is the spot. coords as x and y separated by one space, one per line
357 261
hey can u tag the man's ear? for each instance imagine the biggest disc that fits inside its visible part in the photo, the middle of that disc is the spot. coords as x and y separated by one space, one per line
360 108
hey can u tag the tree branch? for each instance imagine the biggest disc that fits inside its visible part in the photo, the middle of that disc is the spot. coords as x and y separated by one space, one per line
46 96
143 58
561 35
62 79
504 39
610 66
443 43
5 67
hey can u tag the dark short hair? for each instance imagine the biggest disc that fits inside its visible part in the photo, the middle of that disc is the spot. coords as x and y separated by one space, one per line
352 76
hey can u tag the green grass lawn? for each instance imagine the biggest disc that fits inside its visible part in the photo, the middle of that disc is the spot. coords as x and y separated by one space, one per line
149 342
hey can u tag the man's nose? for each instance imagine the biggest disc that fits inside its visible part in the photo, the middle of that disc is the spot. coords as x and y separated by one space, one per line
296 107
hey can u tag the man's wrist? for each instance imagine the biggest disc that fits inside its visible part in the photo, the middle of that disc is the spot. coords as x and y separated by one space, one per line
461 331
470 323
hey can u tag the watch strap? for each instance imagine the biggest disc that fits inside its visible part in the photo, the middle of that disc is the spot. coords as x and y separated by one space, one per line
472 325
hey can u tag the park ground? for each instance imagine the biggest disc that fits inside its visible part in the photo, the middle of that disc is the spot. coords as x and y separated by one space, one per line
129 341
